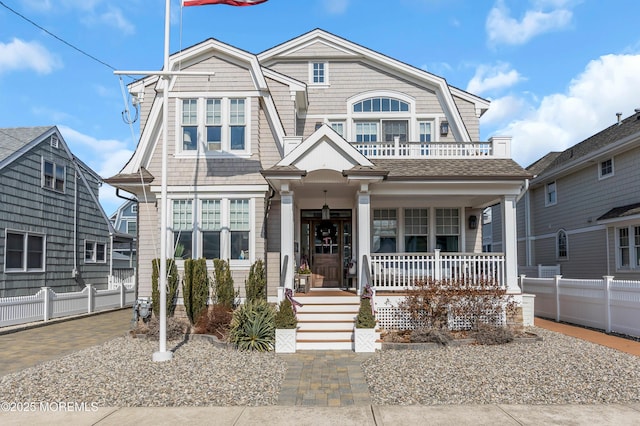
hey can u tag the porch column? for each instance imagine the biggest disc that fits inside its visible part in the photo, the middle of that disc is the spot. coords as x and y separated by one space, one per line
364 233
510 242
286 238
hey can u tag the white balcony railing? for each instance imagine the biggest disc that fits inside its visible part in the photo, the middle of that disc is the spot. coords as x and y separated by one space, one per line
400 271
494 148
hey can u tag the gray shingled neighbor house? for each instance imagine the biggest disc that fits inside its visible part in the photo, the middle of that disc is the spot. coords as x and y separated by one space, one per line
322 152
53 231
582 209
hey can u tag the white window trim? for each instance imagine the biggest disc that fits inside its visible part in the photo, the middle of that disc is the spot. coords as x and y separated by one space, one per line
134 208
410 116
326 82
548 203
225 228
201 150
94 258
631 247
566 236
607 176
42 176
24 269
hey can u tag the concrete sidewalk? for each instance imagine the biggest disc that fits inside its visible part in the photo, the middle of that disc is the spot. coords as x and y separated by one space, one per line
619 415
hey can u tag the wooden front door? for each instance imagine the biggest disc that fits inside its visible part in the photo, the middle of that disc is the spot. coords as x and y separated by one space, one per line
326 264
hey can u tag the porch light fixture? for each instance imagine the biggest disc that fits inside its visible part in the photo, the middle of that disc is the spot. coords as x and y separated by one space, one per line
473 221
444 128
326 212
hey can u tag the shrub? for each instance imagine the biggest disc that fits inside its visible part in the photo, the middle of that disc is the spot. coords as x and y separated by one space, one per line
365 318
441 336
431 302
175 329
215 321
172 287
256 283
285 317
225 294
195 288
493 335
253 326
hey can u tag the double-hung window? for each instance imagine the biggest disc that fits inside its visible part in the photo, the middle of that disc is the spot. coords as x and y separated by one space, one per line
94 252
318 73
385 230
366 131
189 124
623 247
416 230
237 124
551 195
628 247
562 245
448 229
211 225
606 169
182 226
240 226
53 176
24 252
214 125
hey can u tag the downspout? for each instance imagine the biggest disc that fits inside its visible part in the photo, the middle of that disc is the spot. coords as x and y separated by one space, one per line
527 220
123 197
74 272
267 209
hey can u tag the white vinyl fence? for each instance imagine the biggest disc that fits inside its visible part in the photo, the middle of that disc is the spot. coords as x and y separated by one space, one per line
607 304
47 304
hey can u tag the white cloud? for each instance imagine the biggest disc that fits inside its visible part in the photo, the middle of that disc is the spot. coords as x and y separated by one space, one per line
336 7
24 55
114 18
608 85
503 29
504 109
488 78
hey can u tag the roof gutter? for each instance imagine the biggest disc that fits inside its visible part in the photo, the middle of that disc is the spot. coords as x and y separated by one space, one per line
525 188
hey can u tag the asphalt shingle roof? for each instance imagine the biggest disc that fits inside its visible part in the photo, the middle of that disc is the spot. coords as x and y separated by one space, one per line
623 211
458 168
14 138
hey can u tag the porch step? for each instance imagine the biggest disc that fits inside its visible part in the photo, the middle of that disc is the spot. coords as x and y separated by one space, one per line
325 322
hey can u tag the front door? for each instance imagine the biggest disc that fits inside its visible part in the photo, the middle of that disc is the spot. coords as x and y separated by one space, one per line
326 246
325 261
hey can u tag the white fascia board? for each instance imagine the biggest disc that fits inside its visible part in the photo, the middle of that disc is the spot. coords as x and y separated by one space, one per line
181 190
482 105
449 187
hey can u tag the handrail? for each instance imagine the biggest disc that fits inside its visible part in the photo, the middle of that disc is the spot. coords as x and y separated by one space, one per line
283 271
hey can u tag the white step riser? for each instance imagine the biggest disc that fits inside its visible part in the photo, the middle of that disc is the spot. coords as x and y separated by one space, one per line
317 316
328 308
328 300
328 335
324 346
343 325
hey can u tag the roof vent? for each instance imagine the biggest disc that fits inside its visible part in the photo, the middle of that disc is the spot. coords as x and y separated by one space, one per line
618 114
54 141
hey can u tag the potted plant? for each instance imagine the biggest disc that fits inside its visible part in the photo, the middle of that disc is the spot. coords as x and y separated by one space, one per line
304 275
286 327
365 327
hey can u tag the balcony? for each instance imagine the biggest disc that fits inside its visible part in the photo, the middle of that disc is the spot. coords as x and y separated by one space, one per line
496 147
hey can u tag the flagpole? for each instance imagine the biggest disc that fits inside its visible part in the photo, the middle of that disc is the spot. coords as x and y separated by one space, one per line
163 354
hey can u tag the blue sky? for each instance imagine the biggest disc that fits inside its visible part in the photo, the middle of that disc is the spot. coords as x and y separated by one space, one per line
556 71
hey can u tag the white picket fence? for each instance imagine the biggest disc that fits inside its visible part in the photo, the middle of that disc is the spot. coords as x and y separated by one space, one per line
607 304
47 304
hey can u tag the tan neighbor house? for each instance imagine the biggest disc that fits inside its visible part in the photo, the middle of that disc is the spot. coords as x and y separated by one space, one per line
260 146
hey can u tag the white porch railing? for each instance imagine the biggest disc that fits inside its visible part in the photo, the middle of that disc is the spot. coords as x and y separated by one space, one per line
397 149
47 304
400 271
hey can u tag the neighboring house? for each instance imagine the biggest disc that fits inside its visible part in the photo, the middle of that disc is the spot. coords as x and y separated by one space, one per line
582 209
53 231
125 221
324 151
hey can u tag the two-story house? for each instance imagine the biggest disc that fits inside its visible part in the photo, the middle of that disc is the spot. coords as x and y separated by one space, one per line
320 151
582 209
53 230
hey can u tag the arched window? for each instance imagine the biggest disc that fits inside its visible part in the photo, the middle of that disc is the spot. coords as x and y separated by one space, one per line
381 104
562 245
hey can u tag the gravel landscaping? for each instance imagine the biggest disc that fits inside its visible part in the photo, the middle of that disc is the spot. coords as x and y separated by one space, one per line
557 370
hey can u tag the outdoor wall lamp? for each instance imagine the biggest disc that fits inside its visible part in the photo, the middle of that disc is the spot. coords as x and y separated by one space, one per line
444 128
473 222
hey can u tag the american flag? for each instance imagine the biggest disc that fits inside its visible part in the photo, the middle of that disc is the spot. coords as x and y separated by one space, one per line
227 2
